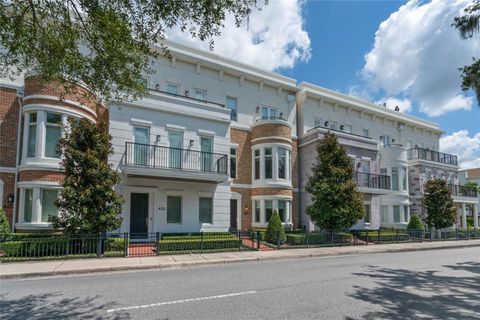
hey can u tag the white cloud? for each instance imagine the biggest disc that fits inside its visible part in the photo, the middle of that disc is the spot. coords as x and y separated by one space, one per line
465 147
275 37
403 104
417 54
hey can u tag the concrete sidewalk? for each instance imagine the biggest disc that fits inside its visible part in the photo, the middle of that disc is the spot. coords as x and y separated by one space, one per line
78 266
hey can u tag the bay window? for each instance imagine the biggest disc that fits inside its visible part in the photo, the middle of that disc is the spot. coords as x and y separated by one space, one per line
42 133
396 214
28 205
271 163
404 178
49 196
264 208
395 179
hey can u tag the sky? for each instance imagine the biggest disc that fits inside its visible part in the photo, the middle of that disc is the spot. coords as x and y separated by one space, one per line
403 53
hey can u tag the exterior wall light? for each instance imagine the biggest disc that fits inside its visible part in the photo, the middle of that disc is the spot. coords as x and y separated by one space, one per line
10 198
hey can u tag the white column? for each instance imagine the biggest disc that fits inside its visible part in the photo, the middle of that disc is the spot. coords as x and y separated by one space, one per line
475 216
464 216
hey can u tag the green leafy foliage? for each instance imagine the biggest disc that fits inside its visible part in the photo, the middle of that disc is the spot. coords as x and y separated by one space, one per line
438 204
106 45
275 231
415 223
336 203
468 25
88 202
5 229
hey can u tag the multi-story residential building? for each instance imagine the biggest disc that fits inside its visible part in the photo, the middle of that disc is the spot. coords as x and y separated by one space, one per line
218 144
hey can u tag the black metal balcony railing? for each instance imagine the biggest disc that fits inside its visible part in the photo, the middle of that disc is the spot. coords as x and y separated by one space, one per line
430 155
370 180
462 191
187 97
153 156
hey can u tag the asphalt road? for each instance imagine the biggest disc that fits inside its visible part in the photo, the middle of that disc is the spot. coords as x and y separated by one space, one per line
439 284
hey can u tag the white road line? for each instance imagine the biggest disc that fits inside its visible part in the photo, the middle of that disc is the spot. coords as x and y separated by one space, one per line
220 296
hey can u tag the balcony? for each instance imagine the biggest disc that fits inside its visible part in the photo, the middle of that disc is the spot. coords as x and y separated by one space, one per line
462 191
430 155
372 181
144 160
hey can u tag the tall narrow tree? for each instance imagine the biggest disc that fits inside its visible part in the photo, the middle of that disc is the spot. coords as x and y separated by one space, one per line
336 203
438 204
88 202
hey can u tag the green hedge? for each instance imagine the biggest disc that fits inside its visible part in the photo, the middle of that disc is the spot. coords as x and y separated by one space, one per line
199 238
298 239
385 236
196 245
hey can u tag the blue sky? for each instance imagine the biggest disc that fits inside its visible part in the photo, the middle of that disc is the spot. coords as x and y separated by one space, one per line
403 53
342 32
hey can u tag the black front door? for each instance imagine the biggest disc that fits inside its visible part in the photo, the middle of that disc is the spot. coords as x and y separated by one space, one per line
233 213
139 214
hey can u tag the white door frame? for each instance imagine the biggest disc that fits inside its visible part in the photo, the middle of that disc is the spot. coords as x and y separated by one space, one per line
127 191
238 197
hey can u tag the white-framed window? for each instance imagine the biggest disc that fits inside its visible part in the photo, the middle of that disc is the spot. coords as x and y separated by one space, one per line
32 134
406 216
264 208
38 204
257 213
395 179
403 172
384 210
269 112
365 133
385 140
256 166
268 163
174 209
396 214
347 128
53 134
367 217
172 88
283 163
333 125
317 122
205 208
141 148
233 163
232 105
200 94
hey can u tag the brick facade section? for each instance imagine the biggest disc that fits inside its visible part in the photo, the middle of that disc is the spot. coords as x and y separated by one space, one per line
8 188
246 203
40 175
244 155
34 85
8 126
272 192
271 130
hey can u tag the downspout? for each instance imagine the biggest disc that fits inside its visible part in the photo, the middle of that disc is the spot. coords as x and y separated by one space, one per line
17 158
298 97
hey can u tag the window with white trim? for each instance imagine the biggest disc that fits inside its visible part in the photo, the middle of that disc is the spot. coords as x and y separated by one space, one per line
174 209
53 134
396 214
403 172
395 179
283 160
365 133
406 217
39 204
172 88
268 210
257 210
233 163
32 135
268 163
200 94
264 208
317 122
256 166
205 210
232 105
269 112
384 210
347 128
367 217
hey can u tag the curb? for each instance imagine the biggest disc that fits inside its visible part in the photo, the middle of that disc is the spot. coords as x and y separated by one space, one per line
178 265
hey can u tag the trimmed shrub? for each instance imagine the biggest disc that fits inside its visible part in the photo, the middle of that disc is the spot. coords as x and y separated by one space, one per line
197 245
415 223
385 236
275 232
317 238
114 244
4 225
